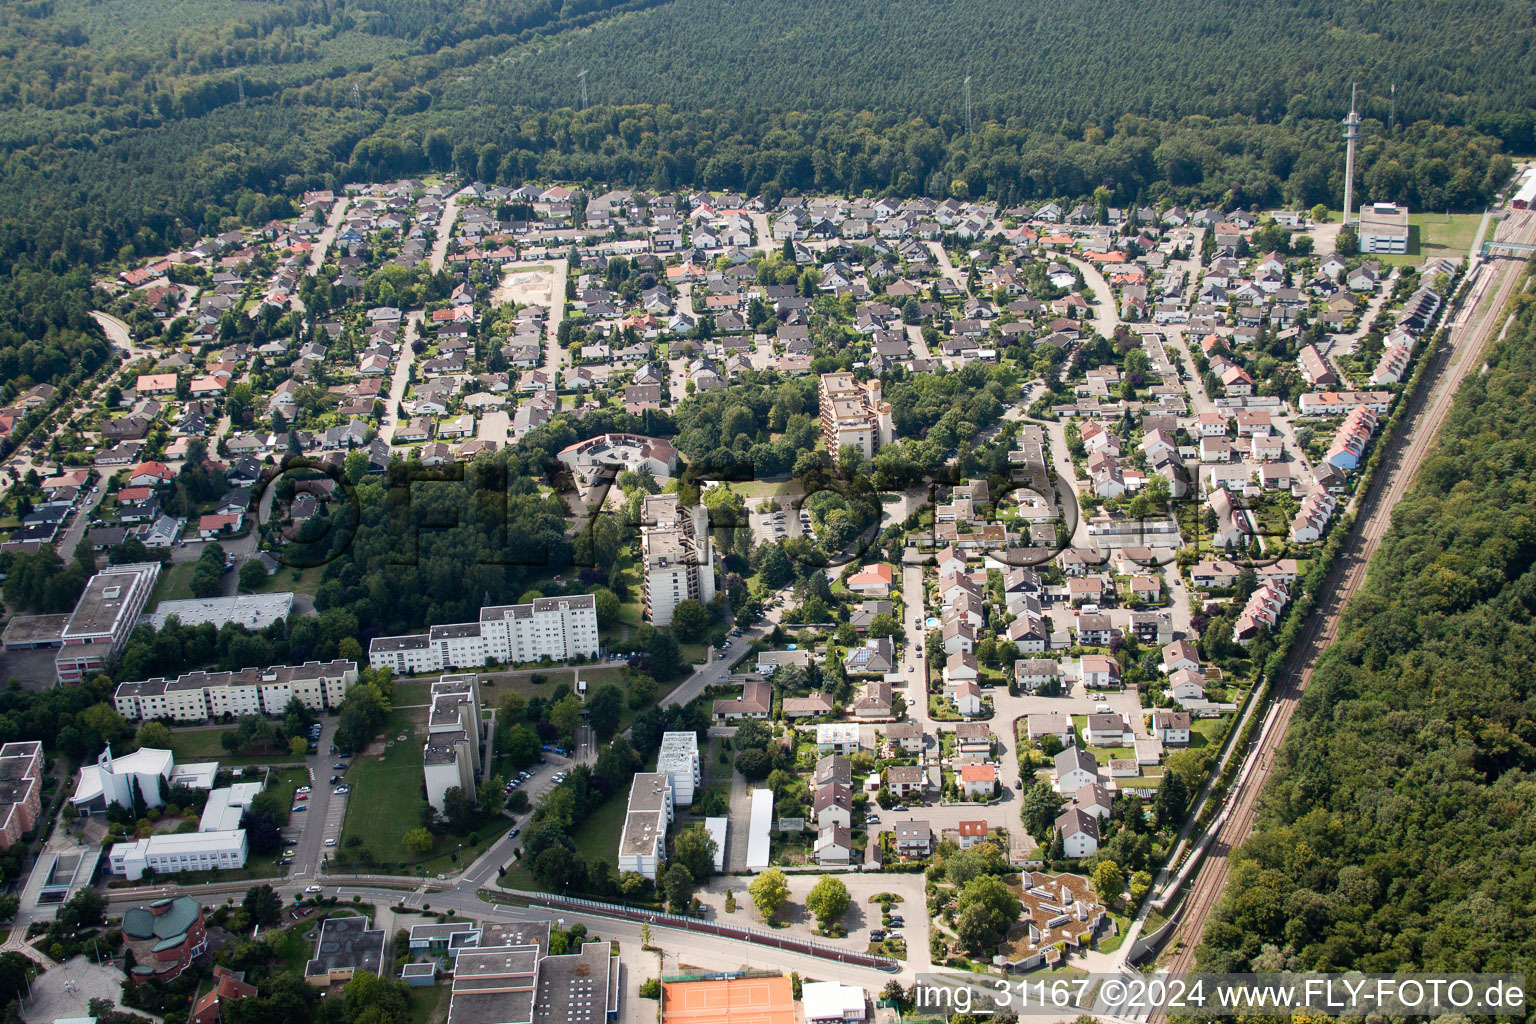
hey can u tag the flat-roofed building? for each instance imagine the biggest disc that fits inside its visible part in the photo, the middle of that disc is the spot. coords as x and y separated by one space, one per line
643 842
679 759
558 628
196 696
854 414
447 764
106 613
1383 228
346 945
226 805
452 755
521 984
169 853
760 824
678 555
21 770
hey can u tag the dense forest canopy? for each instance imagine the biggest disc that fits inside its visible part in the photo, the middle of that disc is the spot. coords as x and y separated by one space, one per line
1050 61
125 134
1397 833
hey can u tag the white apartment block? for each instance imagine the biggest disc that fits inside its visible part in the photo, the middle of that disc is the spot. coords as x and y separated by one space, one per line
172 853
196 696
854 413
452 756
679 761
643 843
558 628
679 557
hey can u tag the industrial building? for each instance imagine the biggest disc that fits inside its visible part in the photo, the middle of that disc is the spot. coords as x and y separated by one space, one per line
557 628
643 843
1525 190
196 696
854 414
1383 228
679 557
106 613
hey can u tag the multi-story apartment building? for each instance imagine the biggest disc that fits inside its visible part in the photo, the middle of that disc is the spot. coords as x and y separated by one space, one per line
679 760
21 772
643 843
196 696
558 628
854 414
103 617
679 557
452 755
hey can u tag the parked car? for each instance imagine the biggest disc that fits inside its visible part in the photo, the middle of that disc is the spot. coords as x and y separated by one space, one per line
876 934
299 807
330 842
343 790
339 767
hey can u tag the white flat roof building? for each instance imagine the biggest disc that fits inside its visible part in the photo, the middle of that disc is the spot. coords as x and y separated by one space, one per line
253 611
679 758
643 843
829 1002
225 806
172 853
719 830
761 826
559 628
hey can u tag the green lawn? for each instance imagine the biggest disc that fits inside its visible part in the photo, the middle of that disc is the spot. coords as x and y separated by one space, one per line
387 801
175 584
298 581
207 745
597 838
1207 732
429 1005
387 798
1431 234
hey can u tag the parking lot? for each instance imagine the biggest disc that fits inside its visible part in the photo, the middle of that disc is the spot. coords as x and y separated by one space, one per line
786 521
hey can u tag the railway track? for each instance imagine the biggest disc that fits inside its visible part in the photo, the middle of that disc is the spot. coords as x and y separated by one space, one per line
1425 416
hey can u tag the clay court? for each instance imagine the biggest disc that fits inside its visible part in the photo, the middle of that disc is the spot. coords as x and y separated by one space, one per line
728 1001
